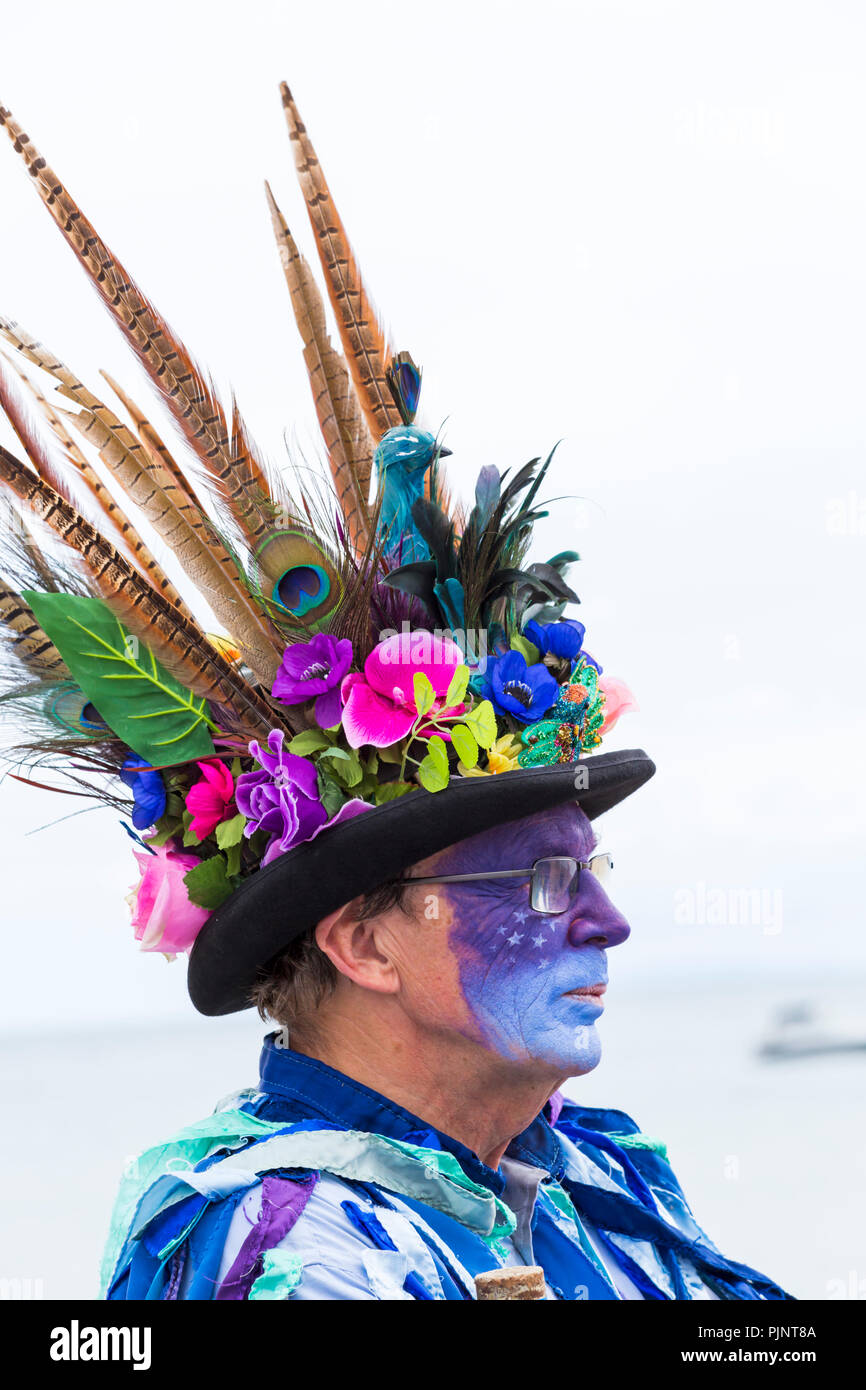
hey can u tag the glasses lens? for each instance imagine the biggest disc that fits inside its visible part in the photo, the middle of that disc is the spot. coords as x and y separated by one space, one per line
554 882
601 867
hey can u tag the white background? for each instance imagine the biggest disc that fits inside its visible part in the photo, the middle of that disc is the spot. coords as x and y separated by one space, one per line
638 228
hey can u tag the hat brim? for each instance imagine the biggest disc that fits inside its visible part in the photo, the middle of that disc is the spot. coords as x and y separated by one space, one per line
294 892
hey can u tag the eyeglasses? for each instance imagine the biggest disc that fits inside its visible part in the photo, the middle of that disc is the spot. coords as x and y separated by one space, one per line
554 882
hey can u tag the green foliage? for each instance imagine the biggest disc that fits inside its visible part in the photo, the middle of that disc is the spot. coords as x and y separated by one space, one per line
230 832
140 702
481 721
527 649
425 695
465 744
208 884
433 769
457 689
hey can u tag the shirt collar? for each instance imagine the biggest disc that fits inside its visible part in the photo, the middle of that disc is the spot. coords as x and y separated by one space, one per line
314 1090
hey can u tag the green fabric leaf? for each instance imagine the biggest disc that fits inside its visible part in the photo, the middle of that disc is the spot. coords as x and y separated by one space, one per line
308 741
433 770
208 884
140 702
233 860
167 827
331 794
481 721
527 649
230 832
425 695
465 744
438 753
457 689
389 791
348 765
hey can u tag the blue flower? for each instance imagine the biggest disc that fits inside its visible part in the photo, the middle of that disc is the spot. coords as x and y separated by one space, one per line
524 692
563 639
148 791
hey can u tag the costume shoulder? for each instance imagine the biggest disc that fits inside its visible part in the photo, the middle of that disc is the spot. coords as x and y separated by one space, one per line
238 1207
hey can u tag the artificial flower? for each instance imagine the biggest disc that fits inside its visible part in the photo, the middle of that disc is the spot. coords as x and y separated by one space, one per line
524 692
163 917
282 798
563 639
313 671
501 757
618 700
380 704
148 791
210 801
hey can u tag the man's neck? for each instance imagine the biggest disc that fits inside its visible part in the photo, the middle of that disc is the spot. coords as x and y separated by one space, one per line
474 1096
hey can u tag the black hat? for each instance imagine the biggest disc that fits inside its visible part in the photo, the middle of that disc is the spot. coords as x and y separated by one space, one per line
290 895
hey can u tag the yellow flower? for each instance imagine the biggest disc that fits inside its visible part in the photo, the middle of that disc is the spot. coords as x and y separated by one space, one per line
502 757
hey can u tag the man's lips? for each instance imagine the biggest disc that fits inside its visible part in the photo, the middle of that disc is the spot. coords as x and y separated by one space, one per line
587 991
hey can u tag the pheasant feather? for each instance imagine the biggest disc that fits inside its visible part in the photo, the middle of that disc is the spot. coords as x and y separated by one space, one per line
363 341
344 430
177 643
221 444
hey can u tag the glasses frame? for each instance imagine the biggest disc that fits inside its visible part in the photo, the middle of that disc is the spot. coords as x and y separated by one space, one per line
579 864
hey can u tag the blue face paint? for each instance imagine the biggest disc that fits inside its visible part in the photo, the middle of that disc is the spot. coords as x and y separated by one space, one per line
519 969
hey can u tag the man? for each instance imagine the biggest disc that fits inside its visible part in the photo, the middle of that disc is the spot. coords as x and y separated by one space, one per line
365 805
408 1132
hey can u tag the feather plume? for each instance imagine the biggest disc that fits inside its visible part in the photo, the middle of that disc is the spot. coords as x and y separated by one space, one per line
177 643
367 353
26 639
347 439
221 444
182 526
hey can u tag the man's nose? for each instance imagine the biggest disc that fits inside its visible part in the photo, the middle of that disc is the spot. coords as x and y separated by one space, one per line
595 921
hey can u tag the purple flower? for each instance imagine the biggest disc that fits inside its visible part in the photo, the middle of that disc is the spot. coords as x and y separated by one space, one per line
524 692
313 671
563 639
282 798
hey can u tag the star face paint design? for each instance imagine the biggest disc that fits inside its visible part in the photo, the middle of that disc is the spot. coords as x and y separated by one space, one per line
533 983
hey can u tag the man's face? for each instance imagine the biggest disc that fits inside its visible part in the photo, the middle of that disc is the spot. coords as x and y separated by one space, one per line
525 977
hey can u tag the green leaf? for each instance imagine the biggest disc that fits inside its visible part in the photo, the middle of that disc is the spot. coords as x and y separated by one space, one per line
392 754
527 649
432 776
189 835
389 791
208 885
308 741
481 721
438 753
230 832
425 695
233 860
140 702
457 689
166 828
348 768
331 794
466 744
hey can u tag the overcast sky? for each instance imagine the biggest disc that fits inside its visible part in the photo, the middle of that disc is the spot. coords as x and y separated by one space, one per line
637 228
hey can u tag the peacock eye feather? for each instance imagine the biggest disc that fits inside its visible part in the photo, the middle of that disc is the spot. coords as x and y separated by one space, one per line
295 573
69 707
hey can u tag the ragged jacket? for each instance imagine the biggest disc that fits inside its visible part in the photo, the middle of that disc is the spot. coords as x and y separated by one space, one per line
314 1186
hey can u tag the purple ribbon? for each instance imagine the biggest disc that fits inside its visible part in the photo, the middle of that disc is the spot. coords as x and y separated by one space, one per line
283 1200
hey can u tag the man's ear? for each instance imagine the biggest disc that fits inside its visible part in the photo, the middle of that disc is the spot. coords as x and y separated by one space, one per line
355 948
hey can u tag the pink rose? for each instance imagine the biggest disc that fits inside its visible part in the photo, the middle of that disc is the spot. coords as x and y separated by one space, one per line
618 700
210 800
163 917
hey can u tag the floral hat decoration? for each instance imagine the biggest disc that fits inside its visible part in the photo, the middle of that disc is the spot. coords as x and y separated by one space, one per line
388 664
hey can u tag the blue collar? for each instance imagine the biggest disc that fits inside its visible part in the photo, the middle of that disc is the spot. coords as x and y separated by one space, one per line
300 1087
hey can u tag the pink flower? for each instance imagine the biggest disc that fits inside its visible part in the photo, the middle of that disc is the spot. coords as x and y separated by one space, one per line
380 704
618 700
210 800
163 917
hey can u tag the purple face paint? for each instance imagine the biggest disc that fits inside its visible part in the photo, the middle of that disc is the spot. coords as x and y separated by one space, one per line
519 969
